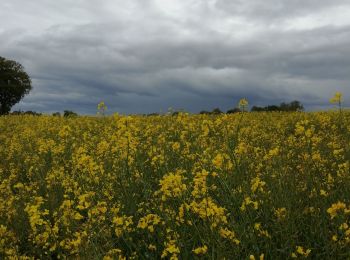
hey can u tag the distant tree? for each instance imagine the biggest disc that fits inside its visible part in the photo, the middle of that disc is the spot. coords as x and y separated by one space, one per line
292 106
69 113
204 112
272 108
216 111
296 106
56 114
153 114
20 112
33 113
233 110
14 84
285 107
15 113
257 109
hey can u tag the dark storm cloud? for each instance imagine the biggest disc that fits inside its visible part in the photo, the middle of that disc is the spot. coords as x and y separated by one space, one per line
146 56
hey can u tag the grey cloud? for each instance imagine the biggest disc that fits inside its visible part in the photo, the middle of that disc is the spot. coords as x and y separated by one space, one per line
272 11
139 59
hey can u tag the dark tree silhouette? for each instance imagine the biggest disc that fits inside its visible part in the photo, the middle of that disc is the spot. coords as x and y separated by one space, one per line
257 109
216 111
69 113
233 110
286 107
14 84
204 112
56 114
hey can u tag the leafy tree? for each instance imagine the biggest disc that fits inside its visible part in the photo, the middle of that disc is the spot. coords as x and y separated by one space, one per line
233 110
296 106
56 114
204 112
69 113
216 111
14 84
153 114
257 109
273 108
286 107
33 113
29 112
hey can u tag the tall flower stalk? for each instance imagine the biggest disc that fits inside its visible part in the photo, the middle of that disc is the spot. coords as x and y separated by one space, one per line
101 108
337 99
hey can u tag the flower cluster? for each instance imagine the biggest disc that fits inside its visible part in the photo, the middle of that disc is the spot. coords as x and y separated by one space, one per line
238 186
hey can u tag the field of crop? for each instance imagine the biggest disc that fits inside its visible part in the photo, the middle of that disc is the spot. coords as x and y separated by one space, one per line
241 186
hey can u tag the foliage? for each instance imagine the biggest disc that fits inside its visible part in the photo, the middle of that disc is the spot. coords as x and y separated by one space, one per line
216 111
33 113
14 84
69 113
239 186
233 110
204 112
56 114
286 107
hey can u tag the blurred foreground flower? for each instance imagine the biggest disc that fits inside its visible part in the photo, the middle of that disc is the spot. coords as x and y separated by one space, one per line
243 104
337 98
101 108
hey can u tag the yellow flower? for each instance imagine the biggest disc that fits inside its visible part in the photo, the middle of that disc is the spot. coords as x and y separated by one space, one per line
257 184
218 161
77 216
333 210
200 184
101 108
228 234
170 248
152 247
335 238
122 225
172 185
148 222
176 146
301 251
262 232
243 103
200 250
248 201
252 257
323 193
337 98
208 210
281 213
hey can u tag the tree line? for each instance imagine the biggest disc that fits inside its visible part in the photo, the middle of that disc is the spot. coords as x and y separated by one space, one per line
293 106
66 113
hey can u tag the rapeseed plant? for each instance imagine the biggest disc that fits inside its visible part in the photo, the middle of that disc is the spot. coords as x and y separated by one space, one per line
246 185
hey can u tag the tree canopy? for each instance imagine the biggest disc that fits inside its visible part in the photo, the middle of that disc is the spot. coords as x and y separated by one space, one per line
14 84
286 107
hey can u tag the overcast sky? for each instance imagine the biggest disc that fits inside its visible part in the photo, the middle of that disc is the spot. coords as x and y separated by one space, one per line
142 56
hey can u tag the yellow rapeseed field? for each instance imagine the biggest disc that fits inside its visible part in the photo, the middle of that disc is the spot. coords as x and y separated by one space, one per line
242 186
